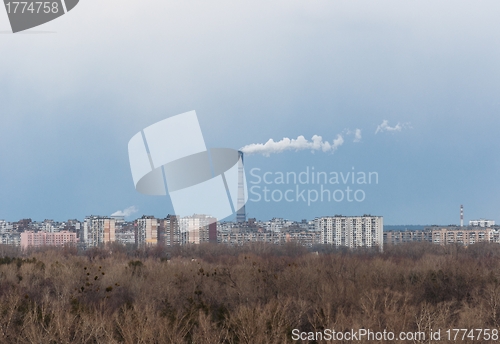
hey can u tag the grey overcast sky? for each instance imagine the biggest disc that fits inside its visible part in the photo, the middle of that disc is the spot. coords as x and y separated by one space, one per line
75 90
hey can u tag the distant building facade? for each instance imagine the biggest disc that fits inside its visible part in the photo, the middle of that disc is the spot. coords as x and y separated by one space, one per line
98 230
146 232
12 238
239 237
400 237
169 233
196 229
39 239
445 235
481 223
5 226
351 231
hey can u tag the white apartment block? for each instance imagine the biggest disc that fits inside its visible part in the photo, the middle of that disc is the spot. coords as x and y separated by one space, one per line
481 223
5 226
351 231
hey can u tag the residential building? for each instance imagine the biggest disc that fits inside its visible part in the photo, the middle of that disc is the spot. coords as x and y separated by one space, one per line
38 239
445 235
146 232
351 231
196 229
98 230
481 223
169 233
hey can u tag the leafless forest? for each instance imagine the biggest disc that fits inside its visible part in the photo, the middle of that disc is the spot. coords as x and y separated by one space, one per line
251 294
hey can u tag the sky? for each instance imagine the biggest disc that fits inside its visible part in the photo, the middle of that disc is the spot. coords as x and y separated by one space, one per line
410 87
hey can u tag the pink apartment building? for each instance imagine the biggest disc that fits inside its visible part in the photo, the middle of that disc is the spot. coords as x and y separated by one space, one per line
37 239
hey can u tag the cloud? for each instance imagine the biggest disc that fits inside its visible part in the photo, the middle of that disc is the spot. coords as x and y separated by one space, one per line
357 135
385 127
339 141
127 212
300 143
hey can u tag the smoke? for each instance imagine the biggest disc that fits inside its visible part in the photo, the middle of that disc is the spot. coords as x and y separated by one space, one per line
127 212
385 127
300 143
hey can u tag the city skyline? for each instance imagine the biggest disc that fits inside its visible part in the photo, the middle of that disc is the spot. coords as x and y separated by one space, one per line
147 231
128 216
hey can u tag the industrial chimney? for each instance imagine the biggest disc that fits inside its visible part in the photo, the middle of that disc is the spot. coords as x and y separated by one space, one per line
240 213
461 215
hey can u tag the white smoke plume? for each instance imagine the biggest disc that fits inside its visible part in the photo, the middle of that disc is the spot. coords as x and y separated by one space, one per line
127 212
300 143
385 127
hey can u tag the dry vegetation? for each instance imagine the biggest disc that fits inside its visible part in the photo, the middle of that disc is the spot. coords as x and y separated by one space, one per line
255 294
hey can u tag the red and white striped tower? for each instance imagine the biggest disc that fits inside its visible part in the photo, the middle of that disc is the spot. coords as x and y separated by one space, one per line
461 215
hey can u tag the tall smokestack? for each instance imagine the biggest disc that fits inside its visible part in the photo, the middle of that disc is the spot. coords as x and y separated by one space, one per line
461 215
241 215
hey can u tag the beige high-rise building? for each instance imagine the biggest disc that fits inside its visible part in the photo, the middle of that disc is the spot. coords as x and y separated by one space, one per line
146 232
98 230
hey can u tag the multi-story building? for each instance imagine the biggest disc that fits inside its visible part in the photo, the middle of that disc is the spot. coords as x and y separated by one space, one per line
11 238
38 239
481 223
5 226
399 237
444 235
72 225
48 226
146 231
124 231
98 230
461 235
239 237
22 225
307 225
351 231
169 232
198 228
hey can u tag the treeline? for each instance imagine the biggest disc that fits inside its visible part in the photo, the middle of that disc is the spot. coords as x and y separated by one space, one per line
251 294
